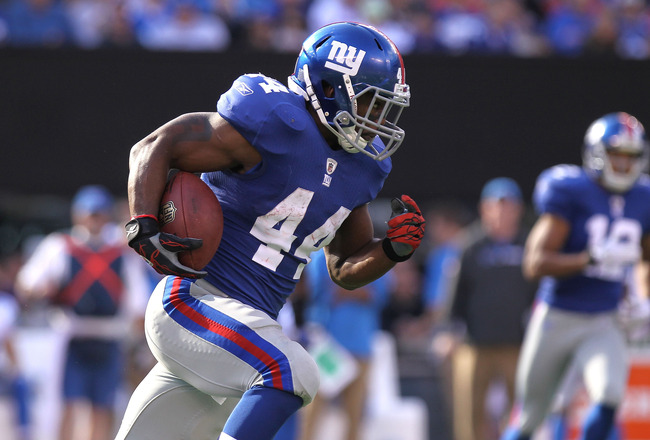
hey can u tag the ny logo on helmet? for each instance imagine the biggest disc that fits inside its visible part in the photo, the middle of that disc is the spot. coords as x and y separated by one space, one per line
345 59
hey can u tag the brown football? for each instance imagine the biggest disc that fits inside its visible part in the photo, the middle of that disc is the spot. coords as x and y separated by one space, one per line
189 208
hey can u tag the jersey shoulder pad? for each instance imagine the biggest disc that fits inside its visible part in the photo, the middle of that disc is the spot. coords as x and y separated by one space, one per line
255 99
556 186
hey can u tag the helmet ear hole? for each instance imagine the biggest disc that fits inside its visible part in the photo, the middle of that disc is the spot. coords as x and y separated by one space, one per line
328 89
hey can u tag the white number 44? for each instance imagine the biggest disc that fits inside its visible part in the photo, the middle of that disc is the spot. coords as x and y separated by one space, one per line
275 230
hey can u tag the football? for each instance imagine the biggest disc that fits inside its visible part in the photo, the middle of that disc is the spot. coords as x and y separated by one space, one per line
189 208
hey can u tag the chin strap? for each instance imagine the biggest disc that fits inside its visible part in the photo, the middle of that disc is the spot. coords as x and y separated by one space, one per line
314 99
347 145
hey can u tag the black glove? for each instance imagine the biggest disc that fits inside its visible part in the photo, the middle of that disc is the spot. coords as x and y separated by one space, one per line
160 249
406 229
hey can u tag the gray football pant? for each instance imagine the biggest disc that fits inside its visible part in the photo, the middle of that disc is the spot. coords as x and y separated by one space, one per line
554 340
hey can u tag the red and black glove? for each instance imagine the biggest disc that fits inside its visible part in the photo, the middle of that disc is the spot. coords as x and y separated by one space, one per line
405 229
160 249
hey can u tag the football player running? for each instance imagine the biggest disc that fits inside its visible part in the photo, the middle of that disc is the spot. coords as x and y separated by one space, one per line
294 169
593 228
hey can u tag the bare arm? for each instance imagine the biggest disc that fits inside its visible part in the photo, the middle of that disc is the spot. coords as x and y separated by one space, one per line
542 254
193 142
354 257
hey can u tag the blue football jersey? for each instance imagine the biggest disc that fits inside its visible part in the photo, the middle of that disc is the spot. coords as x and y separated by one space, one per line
292 203
595 215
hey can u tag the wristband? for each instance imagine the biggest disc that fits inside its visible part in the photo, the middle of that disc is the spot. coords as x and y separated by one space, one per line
145 216
390 252
141 226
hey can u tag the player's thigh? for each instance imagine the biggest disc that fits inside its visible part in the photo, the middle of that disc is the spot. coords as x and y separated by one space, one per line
545 355
546 351
569 386
240 348
301 367
605 366
163 407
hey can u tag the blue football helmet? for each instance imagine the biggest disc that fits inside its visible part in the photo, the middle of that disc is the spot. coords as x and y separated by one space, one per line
615 132
358 62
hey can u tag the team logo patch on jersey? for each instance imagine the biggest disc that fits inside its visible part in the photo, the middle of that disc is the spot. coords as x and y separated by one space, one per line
345 59
331 165
167 213
243 89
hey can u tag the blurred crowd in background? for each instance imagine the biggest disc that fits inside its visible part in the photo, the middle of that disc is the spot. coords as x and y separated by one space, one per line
522 28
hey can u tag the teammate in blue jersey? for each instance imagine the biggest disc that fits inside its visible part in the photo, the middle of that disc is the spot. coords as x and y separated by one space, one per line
294 169
594 225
